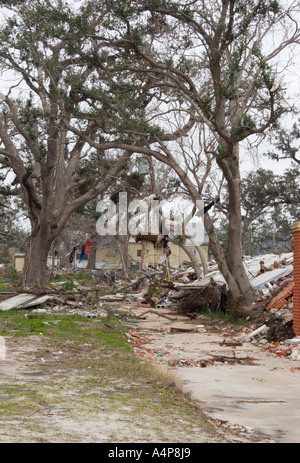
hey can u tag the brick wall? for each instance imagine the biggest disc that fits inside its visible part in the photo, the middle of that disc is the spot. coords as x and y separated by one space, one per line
296 297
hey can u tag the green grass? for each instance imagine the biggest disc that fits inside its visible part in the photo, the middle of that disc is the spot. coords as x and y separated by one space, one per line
230 316
7 285
21 323
82 276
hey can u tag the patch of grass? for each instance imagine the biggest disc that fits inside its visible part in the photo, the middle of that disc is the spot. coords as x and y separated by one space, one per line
82 276
21 323
16 324
69 286
230 316
58 277
12 274
17 398
7 285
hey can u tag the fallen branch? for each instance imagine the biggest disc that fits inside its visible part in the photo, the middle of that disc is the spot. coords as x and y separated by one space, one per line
156 313
234 359
228 343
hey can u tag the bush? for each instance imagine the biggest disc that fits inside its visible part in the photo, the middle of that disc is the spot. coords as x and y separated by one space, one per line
81 276
11 273
69 286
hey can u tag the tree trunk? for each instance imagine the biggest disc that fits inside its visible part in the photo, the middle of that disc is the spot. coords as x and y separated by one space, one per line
231 264
234 254
203 259
91 258
123 250
246 236
220 257
35 267
53 265
193 258
201 255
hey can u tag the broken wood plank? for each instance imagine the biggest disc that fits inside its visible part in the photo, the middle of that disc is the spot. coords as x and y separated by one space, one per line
23 301
181 329
230 343
112 298
156 313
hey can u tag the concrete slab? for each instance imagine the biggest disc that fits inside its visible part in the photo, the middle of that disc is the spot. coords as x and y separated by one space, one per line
262 398
262 394
264 278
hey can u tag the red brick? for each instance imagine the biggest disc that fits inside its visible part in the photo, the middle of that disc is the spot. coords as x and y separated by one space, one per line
296 275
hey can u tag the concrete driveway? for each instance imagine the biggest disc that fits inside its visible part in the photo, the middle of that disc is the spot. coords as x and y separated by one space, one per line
263 397
242 387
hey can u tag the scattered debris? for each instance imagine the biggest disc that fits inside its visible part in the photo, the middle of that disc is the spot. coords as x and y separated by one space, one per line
256 334
233 359
269 318
176 329
281 300
112 298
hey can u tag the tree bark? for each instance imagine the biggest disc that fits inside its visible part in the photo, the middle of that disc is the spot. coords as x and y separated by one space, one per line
35 266
123 250
91 258
242 288
203 259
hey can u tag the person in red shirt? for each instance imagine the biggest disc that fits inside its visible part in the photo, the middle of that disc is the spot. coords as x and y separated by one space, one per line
86 244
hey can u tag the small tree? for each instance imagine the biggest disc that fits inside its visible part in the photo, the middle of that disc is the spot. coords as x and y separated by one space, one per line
269 202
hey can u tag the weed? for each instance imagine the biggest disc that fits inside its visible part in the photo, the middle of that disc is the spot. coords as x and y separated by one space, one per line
230 316
6 285
81 276
12 273
58 277
69 286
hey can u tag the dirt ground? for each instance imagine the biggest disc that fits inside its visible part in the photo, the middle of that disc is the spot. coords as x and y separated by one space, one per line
62 392
48 403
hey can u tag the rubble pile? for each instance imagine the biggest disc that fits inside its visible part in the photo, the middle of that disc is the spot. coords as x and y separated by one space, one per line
270 317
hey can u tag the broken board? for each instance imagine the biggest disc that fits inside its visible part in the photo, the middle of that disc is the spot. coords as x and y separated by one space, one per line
22 301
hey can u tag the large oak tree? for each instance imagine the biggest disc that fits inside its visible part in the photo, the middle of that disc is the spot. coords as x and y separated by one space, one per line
56 170
216 63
